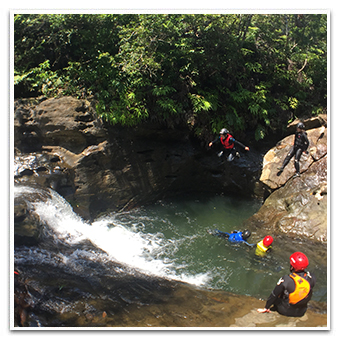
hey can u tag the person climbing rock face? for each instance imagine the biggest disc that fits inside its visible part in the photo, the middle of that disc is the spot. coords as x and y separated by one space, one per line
292 292
228 143
301 144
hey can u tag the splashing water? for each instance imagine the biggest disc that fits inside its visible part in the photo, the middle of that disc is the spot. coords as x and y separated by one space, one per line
170 240
127 244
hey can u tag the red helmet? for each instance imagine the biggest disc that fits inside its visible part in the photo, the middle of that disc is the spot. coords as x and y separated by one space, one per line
299 261
267 241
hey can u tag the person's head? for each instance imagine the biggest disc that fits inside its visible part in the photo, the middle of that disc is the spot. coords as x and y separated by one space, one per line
300 127
246 234
224 132
298 262
267 241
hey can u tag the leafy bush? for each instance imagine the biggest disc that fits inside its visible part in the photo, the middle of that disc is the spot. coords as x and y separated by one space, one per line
245 72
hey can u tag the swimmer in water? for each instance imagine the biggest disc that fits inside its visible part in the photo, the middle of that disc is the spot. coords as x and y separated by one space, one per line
264 246
234 237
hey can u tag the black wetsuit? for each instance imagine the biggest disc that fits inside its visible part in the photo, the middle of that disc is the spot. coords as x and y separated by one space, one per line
301 144
279 298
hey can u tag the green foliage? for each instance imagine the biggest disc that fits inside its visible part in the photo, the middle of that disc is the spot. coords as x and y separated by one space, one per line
241 71
259 132
162 91
199 103
41 78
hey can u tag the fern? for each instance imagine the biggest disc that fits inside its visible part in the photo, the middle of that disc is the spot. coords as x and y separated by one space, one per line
260 132
168 106
199 103
293 102
162 90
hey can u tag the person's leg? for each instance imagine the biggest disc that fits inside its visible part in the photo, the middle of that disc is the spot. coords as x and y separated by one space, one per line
297 160
288 158
231 155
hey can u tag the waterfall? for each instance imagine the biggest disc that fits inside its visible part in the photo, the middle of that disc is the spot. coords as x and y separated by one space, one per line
121 242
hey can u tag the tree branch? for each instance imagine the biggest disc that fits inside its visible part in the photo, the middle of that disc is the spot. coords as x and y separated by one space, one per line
304 65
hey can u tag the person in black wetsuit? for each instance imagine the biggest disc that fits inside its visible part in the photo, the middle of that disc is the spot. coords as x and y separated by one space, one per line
228 143
301 144
292 292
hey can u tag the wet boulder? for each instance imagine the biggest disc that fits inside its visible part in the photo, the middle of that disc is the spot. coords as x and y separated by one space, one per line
273 159
61 143
27 225
65 121
295 206
299 209
309 122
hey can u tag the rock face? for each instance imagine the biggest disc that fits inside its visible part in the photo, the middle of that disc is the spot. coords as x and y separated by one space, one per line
275 156
66 122
297 206
62 144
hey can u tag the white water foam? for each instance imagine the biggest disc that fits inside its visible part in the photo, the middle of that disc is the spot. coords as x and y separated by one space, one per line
126 244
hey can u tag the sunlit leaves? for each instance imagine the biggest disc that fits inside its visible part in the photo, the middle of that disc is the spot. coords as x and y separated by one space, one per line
241 71
293 102
199 103
162 90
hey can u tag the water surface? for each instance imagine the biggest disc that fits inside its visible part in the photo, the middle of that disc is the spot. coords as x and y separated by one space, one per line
123 261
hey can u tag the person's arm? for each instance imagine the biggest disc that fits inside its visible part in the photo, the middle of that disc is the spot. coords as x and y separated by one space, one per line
222 233
277 291
240 144
306 141
272 298
214 141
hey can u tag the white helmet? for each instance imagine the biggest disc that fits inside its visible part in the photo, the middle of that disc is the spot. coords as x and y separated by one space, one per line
224 131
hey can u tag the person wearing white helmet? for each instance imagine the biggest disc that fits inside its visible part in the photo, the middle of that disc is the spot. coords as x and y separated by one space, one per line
228 143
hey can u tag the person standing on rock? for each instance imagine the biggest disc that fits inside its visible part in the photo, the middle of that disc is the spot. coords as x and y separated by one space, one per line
301 144
292 292
228 143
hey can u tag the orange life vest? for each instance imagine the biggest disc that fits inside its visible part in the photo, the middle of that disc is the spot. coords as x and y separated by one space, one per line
302 289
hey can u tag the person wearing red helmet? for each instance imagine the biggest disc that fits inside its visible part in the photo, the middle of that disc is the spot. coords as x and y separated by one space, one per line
264 246
292 292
